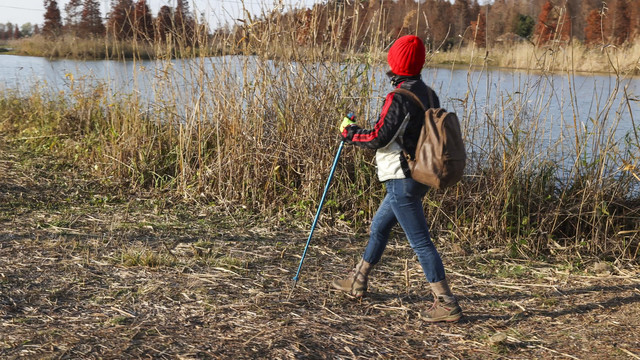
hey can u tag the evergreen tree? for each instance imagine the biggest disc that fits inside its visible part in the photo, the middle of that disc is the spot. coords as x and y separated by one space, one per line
16 33
73 9
52 19
184 24
120 23
525 26
163 23
91 23
143 21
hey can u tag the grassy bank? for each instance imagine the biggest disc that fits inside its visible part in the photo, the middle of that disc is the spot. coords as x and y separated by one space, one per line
559 58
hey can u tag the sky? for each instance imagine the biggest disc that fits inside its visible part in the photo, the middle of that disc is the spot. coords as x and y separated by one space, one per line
216 12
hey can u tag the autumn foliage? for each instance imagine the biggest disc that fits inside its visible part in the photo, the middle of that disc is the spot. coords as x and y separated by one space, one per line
479 30
593 33
554 24
442 24
52 19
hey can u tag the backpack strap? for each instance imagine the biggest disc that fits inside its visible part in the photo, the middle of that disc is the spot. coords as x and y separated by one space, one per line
413 97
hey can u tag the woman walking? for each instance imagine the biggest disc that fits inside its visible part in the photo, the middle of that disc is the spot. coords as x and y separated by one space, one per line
403 200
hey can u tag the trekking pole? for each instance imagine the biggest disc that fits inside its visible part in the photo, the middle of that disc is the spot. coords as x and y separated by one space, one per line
315 221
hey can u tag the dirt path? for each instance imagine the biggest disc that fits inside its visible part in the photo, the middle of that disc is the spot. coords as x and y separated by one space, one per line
89 271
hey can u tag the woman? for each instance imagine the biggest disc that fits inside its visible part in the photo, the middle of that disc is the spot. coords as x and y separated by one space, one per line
403 201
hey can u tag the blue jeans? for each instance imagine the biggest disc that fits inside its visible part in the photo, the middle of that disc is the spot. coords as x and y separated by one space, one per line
403 204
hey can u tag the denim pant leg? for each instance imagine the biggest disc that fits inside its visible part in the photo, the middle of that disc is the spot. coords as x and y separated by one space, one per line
403 204
383 221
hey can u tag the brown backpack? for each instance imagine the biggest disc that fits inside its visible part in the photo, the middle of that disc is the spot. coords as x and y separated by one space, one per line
440 155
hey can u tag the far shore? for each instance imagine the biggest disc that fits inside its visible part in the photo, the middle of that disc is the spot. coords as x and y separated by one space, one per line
574 58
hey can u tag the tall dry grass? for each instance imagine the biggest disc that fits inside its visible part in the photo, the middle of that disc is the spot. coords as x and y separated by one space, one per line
574 57
250 132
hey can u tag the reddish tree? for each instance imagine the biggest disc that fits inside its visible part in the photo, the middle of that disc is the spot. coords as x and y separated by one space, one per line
91 23
563 28
635 18
143 21
16 33
544 28
438 31
622 22
52 19
462 19
36 29
593 32
554 23
120 23
479 29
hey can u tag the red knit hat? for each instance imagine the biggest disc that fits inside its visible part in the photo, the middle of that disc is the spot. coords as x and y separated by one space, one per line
406 56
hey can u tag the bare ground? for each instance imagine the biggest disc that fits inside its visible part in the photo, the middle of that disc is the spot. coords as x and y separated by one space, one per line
89 270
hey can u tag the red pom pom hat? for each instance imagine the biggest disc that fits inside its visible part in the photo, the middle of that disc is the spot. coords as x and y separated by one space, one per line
406 56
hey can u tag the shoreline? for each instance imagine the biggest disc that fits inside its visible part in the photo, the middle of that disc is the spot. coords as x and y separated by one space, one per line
453 65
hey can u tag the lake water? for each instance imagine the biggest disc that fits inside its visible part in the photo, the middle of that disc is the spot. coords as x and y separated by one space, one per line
559 104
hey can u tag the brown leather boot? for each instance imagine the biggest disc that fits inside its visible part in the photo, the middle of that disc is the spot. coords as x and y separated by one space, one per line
356 283
445 307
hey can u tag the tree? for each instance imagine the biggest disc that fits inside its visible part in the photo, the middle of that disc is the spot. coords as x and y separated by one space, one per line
564 26
52 19
7 31
544 28
461 20
622 22
120 23
594 31
143 21
163 23
16 33
91 23
525 25
26 29
184 24
479 29
502 20
73 9
36 29
634 5
553 24
439 31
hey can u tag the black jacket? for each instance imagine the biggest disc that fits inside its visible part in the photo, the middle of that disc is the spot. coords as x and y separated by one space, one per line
396 107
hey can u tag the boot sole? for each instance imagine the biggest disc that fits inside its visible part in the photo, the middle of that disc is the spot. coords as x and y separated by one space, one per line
356 293
449 318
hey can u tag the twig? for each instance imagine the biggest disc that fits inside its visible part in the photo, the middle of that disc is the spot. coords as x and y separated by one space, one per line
629 353
36 137
557 352
169 251
123 312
